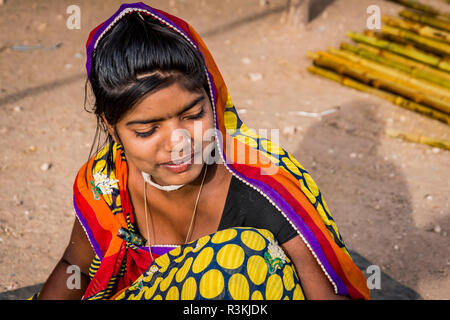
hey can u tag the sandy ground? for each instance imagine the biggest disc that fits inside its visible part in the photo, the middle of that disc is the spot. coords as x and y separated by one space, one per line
389 198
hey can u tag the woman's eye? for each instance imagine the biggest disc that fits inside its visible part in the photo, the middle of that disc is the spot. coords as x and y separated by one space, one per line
196 116
145 134
150 132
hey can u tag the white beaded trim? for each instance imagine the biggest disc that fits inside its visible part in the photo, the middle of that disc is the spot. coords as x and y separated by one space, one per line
165 245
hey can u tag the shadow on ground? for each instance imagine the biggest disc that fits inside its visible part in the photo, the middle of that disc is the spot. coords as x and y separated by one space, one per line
21 293
368 194
390 289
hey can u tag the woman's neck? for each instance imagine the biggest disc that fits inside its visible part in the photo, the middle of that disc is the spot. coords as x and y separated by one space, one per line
136 182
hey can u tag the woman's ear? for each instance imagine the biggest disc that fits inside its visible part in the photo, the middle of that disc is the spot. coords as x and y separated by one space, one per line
110 129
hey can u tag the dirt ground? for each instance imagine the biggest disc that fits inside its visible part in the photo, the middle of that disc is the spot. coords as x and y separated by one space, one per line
389 198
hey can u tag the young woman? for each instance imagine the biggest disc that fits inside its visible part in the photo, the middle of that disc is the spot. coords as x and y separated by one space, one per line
184 201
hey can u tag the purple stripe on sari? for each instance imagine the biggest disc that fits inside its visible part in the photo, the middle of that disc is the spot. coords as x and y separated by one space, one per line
161 250
88 231
158 250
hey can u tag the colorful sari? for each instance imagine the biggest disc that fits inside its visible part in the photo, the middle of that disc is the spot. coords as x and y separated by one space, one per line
122 267
232 264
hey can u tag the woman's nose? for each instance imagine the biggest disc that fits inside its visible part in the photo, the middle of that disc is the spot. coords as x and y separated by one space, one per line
176 138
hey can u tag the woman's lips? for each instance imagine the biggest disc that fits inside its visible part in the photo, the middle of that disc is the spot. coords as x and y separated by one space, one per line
179 165
179 161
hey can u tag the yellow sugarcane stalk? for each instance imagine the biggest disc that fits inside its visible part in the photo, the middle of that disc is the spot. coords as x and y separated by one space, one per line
402 50
431 52
395 74
424 8
401 59
417 138
379 79
430 44
398 100
431 21
413 71
417 28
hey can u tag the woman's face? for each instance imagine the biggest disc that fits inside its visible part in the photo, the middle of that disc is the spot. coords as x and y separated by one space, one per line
166 135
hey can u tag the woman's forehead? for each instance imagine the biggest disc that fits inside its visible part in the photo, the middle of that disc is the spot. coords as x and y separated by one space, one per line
165 102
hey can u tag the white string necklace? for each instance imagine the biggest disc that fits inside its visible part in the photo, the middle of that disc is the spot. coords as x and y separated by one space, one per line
147 213
147 178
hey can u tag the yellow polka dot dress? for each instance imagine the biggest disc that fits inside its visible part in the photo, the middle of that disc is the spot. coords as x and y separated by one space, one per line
231 264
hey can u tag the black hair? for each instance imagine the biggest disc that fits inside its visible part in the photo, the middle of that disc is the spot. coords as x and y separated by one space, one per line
136 57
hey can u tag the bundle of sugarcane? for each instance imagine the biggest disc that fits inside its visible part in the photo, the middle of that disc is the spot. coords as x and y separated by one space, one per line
424 19
422 46
378 78
427 9
417 28
398 65
404 60
394 73
409 52
417 138
409 44
407 63
428 44
396 99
